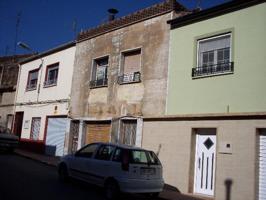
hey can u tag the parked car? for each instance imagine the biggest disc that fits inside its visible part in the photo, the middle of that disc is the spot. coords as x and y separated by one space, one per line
117 168
8 141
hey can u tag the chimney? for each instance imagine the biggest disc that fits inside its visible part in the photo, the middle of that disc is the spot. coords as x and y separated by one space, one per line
112 12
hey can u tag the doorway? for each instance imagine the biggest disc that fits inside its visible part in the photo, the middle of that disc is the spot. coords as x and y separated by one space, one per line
205 157
18 123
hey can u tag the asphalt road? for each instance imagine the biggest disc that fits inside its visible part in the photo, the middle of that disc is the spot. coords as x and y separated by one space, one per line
22 178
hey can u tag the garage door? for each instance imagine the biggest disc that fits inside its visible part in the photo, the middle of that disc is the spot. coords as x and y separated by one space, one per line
262 166
55 136
98 132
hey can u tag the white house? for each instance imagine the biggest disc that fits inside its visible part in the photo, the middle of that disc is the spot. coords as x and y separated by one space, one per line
42 100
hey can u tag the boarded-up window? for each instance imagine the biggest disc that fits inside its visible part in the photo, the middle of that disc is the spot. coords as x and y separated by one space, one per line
98 132
131 61
35 128
128 132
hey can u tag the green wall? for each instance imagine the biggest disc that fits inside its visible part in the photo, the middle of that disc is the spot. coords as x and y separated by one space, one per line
242 91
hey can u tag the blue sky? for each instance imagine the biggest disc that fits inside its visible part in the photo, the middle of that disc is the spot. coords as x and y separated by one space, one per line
45 24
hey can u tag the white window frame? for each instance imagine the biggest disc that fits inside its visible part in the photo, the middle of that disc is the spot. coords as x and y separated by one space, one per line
214 37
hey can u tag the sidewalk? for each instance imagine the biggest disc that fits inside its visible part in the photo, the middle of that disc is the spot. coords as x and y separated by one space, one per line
167 194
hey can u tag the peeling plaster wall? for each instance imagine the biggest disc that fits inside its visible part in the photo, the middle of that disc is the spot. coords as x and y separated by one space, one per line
139 99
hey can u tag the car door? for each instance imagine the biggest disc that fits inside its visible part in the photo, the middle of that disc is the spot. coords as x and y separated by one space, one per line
101 164
80 163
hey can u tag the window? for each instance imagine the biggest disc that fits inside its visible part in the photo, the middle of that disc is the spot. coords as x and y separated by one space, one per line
87 151
99 73
128 132
51 75
213 56
105 152
32 79
35 128
130 67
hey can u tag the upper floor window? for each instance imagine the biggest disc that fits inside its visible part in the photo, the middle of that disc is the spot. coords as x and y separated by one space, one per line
99 73
32 79
213 56
130 67
51 75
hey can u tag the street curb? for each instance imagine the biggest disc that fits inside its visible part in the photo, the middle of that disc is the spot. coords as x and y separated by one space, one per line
34 159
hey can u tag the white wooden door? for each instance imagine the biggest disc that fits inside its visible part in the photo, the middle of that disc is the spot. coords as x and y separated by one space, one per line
262 167
205 164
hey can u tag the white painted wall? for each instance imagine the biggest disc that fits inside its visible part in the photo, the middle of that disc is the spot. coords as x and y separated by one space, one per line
60 91
39 110
63 87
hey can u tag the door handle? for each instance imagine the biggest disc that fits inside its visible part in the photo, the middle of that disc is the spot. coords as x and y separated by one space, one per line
199 163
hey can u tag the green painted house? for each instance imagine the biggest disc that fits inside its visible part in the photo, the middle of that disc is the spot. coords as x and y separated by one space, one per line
212 138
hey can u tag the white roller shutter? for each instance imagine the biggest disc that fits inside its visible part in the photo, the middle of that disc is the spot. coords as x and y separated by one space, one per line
262 167
55 136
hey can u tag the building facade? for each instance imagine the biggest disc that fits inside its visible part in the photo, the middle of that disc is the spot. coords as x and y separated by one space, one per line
212 141
121 75
42 100
8 81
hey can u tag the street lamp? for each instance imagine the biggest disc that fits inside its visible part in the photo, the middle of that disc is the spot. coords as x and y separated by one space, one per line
27 47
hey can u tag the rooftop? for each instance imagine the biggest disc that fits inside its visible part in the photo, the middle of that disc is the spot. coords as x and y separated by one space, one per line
155 10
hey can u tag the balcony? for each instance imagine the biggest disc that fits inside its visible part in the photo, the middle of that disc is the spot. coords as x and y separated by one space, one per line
99 83
134 77
216 69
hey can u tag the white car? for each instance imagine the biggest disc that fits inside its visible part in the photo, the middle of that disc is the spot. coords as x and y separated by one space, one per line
117 168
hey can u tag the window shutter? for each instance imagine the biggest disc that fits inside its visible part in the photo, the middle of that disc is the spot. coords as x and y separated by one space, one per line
132 62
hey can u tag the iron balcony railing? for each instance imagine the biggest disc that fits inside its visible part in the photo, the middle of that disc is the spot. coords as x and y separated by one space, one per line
213 69
134 77
99 83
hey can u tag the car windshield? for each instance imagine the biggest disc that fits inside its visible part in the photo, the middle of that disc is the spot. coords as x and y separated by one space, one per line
144 157
4 130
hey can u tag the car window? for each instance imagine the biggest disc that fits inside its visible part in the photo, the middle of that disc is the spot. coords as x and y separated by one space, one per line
117 155
138 156
105 152
87 151
153 158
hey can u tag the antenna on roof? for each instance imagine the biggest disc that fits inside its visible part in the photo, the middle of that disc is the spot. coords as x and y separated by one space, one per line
16 34
74 27
198 4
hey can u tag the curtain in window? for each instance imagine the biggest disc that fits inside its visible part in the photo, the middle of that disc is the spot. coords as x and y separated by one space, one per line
212 45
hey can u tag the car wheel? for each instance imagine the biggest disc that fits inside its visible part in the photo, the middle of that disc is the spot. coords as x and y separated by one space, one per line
63 173
111 190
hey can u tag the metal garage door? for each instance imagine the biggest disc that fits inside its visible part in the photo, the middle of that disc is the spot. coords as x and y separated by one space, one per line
98 132
262 166
55 136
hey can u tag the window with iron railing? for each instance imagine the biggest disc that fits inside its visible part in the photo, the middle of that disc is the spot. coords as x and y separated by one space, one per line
51 75
99 73
32 79
213 56
130 67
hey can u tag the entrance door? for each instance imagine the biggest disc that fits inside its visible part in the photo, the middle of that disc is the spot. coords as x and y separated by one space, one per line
55 136
18 123
205 162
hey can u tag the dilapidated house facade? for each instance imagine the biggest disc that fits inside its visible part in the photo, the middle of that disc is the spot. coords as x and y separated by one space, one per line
8 81
121 75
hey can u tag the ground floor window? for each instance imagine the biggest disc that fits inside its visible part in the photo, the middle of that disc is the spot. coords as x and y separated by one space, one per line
128 129
35 128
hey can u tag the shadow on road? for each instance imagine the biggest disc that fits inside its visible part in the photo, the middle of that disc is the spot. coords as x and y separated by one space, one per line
95 189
